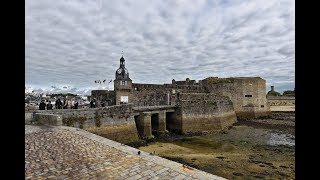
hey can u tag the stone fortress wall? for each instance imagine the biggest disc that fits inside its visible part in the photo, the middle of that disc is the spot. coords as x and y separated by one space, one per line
114 122
203 112
246 93
104 95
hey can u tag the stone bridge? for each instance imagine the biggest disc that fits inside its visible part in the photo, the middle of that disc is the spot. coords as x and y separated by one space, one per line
126 123
153 120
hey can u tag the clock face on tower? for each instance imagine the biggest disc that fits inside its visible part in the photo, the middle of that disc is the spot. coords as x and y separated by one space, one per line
119 71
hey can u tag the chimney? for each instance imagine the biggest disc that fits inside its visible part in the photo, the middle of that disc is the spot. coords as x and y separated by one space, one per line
272 88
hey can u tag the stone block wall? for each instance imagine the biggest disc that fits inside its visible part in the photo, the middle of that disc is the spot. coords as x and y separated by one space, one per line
114 122
248 95
48 119
200 112
160 94
28 118
104 95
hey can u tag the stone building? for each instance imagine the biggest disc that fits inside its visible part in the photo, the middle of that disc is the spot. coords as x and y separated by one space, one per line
247 94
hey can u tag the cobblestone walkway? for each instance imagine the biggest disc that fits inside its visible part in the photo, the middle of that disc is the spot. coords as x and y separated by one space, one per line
70 153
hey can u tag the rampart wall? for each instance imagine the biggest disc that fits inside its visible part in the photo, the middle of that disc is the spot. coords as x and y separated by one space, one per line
113 122
160 94
108 97
203 112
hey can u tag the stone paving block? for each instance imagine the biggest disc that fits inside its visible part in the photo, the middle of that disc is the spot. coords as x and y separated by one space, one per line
179 177
137 176
69 153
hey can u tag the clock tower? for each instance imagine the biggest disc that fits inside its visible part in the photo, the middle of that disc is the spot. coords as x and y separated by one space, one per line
122 84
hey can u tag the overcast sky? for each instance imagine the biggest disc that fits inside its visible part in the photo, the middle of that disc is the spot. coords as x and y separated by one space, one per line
72 43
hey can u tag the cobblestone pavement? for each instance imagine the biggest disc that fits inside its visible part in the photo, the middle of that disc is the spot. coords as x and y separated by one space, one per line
71 153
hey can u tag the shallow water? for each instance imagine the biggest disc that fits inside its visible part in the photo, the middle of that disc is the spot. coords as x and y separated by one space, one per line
277 139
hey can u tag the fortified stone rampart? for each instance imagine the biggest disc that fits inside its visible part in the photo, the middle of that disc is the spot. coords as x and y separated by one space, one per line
114 122
106 96
202 112
150 94
160 94
246 93
281 100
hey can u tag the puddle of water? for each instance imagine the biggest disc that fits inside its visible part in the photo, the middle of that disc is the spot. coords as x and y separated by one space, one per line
281 139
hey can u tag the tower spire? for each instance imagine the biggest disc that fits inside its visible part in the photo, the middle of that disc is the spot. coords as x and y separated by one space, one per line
122 53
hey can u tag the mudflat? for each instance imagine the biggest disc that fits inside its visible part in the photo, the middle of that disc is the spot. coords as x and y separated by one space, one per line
259 149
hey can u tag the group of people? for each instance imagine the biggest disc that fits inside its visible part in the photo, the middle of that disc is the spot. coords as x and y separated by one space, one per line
66 104
93 103
44 106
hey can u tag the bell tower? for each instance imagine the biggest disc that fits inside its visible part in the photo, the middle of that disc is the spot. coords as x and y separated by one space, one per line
122 84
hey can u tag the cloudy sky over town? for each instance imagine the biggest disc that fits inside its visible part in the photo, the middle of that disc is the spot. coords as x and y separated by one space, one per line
71 43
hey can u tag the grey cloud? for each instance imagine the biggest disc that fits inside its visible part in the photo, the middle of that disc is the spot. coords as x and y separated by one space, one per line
76 42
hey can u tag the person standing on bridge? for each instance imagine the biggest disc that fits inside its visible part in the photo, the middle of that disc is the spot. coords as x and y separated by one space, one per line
76 105
49 106
93 103
58 104
65 104
42 105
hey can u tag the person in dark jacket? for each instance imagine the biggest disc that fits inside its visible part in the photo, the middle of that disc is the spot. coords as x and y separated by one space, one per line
42 105
58 104
76 105
49 106
93 103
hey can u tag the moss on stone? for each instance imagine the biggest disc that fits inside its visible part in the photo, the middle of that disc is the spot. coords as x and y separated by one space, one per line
97 118
69 121
216 80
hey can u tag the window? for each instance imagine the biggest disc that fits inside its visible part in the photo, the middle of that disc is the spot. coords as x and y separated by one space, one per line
124 99
262 106
247 95
123 83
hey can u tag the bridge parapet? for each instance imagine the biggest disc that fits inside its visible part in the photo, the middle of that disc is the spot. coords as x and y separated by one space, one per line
153 108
